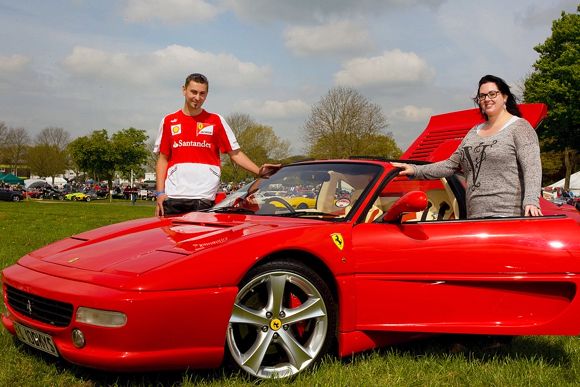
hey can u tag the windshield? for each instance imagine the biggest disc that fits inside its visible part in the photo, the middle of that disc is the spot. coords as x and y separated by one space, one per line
318 190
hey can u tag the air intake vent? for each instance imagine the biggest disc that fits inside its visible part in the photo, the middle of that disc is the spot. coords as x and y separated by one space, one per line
39 308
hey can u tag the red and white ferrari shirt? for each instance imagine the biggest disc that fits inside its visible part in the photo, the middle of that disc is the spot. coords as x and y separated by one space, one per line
192 146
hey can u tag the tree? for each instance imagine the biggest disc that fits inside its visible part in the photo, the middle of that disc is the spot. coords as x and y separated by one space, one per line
130 147
17 142
49 157
102 157
3 143
46 160
555 81
259 142
57 137
345 123
3 134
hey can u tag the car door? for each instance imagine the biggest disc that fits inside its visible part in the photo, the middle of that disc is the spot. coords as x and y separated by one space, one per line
473 276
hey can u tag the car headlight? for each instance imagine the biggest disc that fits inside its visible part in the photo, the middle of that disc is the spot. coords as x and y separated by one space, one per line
101 318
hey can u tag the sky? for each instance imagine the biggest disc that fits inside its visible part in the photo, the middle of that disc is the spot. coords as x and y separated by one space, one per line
85 65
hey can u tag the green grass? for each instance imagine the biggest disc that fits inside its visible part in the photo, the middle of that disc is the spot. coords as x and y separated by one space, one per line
438 361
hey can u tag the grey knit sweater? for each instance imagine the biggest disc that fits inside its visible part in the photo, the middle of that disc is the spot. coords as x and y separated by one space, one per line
503 171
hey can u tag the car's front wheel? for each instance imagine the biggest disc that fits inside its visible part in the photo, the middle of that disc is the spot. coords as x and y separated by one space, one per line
15 198
283 320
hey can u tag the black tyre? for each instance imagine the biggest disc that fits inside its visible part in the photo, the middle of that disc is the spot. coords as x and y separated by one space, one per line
283 320
15 198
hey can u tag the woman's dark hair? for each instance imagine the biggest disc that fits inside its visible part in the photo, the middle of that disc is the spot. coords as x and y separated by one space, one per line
511 104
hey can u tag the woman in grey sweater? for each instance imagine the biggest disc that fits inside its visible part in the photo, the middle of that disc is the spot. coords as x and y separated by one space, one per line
500 158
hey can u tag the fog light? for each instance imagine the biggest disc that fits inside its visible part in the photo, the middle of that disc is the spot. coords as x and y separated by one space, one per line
101 318
78 338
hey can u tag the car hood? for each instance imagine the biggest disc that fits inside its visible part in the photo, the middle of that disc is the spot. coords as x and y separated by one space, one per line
136 247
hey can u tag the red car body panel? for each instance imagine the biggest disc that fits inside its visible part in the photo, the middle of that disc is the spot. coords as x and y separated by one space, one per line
176 278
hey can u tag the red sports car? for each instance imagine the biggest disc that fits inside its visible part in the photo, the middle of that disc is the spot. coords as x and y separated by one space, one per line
272 288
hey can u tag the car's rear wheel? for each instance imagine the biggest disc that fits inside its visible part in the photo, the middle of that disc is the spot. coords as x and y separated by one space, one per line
88 198
15 198
283 320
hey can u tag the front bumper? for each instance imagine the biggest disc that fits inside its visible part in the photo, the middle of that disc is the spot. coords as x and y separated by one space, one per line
165 330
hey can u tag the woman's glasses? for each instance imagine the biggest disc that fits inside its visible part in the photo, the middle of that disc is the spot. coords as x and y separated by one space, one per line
481 97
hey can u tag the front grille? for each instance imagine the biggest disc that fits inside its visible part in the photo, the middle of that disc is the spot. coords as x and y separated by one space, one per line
39 308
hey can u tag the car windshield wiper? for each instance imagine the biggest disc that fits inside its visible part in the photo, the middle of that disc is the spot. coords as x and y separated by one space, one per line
232 210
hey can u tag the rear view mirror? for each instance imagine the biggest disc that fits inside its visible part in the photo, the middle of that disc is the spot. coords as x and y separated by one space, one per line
413 201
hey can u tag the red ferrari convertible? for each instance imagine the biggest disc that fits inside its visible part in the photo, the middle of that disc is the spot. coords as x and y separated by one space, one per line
272 288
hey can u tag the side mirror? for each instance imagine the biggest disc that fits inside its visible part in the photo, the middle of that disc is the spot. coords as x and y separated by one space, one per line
413 201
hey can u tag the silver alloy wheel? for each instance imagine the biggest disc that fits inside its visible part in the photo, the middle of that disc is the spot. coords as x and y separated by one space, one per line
279 325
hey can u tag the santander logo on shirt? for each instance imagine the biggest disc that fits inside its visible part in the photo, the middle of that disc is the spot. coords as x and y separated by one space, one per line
196 144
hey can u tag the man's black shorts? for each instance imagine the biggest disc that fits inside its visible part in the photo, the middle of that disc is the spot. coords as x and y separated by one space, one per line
182 206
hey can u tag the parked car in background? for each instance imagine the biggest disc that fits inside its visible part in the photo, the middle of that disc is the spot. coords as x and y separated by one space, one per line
78 196
49 192
11 195
93 195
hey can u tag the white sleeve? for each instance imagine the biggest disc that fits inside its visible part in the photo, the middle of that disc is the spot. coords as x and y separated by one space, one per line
230 134
159 135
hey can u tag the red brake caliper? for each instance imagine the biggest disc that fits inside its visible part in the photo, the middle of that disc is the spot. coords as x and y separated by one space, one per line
295 303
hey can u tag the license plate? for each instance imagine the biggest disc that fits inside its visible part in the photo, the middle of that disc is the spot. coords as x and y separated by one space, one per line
36 339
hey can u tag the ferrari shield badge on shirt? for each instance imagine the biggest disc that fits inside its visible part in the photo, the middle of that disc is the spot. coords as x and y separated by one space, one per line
338 240
204 128
175 129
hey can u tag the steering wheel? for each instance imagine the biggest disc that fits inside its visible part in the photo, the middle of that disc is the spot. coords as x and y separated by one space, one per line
281 201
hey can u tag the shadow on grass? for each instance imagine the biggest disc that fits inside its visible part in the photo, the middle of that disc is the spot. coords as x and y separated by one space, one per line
549 350
93 377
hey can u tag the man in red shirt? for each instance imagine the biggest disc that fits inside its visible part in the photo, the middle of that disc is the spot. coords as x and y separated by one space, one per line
189 145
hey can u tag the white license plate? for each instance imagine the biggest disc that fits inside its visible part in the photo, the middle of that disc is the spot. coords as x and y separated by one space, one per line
36 339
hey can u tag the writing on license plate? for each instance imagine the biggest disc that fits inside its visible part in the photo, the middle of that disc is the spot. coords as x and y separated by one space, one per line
36 339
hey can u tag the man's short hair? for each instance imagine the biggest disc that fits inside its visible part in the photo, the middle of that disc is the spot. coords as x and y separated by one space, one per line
197 78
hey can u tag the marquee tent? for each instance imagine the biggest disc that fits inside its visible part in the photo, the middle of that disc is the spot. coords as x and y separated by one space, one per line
9 178
574 183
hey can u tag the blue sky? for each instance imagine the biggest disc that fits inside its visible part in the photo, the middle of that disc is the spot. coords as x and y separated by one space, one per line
85 65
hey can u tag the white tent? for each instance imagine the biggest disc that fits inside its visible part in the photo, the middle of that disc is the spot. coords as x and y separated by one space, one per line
27 182
574 183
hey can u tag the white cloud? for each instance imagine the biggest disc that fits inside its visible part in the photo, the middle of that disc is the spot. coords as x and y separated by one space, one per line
334 37
273 109
153 67
13 63
169 11
541 14
319 10
410 113
393 67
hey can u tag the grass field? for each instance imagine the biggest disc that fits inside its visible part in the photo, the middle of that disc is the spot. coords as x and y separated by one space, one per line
439 361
